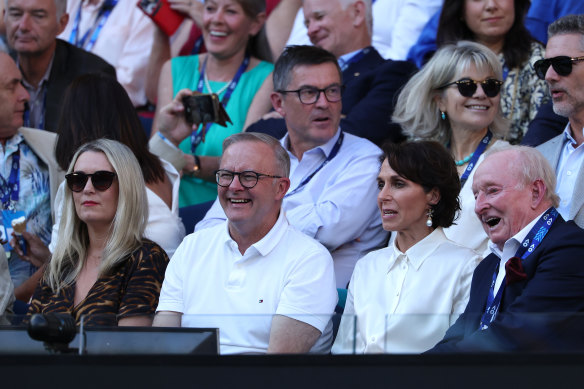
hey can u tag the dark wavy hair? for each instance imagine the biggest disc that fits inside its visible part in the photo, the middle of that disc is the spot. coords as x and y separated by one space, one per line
96 106
517 46
429 164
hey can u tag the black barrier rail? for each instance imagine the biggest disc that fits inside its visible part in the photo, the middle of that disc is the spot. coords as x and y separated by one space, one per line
299 372
117 340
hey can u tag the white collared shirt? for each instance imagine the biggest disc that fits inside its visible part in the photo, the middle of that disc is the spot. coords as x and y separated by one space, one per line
285 273
405 302
569 164
338 207
509 249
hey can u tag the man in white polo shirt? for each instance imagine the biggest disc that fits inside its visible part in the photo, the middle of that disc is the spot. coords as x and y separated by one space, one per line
267 286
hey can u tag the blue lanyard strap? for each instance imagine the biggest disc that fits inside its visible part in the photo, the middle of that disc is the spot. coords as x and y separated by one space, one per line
10 190
475 157
332 154
529 244
102 17
197 136
197 46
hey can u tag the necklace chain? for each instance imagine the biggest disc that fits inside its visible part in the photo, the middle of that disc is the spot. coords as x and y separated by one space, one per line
209 86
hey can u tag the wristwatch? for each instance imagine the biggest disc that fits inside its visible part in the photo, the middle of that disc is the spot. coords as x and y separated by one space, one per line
197 165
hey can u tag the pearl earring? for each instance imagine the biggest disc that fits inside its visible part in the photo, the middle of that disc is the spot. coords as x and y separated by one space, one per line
429 221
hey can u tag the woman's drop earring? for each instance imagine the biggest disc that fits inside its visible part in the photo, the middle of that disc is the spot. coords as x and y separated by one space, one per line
429 221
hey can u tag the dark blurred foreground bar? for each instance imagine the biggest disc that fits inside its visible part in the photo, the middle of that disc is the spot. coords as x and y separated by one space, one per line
298 372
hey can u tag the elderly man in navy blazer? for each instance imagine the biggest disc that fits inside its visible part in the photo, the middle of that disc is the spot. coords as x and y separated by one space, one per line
528 294
343 27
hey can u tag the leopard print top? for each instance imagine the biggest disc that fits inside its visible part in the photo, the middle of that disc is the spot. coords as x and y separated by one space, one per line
131 290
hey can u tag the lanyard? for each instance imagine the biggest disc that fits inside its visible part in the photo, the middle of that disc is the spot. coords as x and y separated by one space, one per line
197 136
332 154
10 189
102 17
356 58
475 156
531 241
197 46
27 119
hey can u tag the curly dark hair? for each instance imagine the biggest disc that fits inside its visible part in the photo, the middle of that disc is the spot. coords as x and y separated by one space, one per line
452 28
429 164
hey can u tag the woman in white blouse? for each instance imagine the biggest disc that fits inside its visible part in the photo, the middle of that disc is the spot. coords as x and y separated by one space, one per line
403 298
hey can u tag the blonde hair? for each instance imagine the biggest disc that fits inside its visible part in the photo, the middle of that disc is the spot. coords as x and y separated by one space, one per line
417 110
126 230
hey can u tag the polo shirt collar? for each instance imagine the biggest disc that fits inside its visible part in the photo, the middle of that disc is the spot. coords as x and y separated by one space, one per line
265 245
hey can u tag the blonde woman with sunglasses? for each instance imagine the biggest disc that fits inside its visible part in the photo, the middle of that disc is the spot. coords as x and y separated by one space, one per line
103 272
455 99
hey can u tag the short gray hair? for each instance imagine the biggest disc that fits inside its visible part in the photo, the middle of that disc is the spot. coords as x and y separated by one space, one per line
569 24
531 166
281 155
368 12
417 110
60 8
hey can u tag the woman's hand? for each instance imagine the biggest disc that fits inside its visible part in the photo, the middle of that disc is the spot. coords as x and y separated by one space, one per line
36 252
191 8
171 119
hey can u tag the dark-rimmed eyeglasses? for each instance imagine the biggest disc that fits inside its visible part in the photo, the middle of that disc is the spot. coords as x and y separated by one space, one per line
248 178
468 87
310 94
562 65
101 180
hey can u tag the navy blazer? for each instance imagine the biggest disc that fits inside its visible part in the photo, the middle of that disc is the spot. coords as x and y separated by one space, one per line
69 63
542 313
372 85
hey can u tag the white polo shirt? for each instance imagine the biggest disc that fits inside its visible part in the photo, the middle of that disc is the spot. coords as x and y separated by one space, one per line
285 273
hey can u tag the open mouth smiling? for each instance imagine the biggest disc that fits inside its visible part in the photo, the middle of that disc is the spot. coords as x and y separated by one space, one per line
240 201
493 221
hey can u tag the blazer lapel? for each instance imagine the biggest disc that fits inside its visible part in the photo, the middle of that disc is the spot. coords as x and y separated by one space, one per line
365 64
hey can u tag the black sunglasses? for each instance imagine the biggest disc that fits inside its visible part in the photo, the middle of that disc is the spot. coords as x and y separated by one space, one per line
562 65
468 87
101 180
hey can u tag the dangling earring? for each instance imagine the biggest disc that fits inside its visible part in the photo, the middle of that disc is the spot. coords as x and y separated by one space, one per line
442 115
429 221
